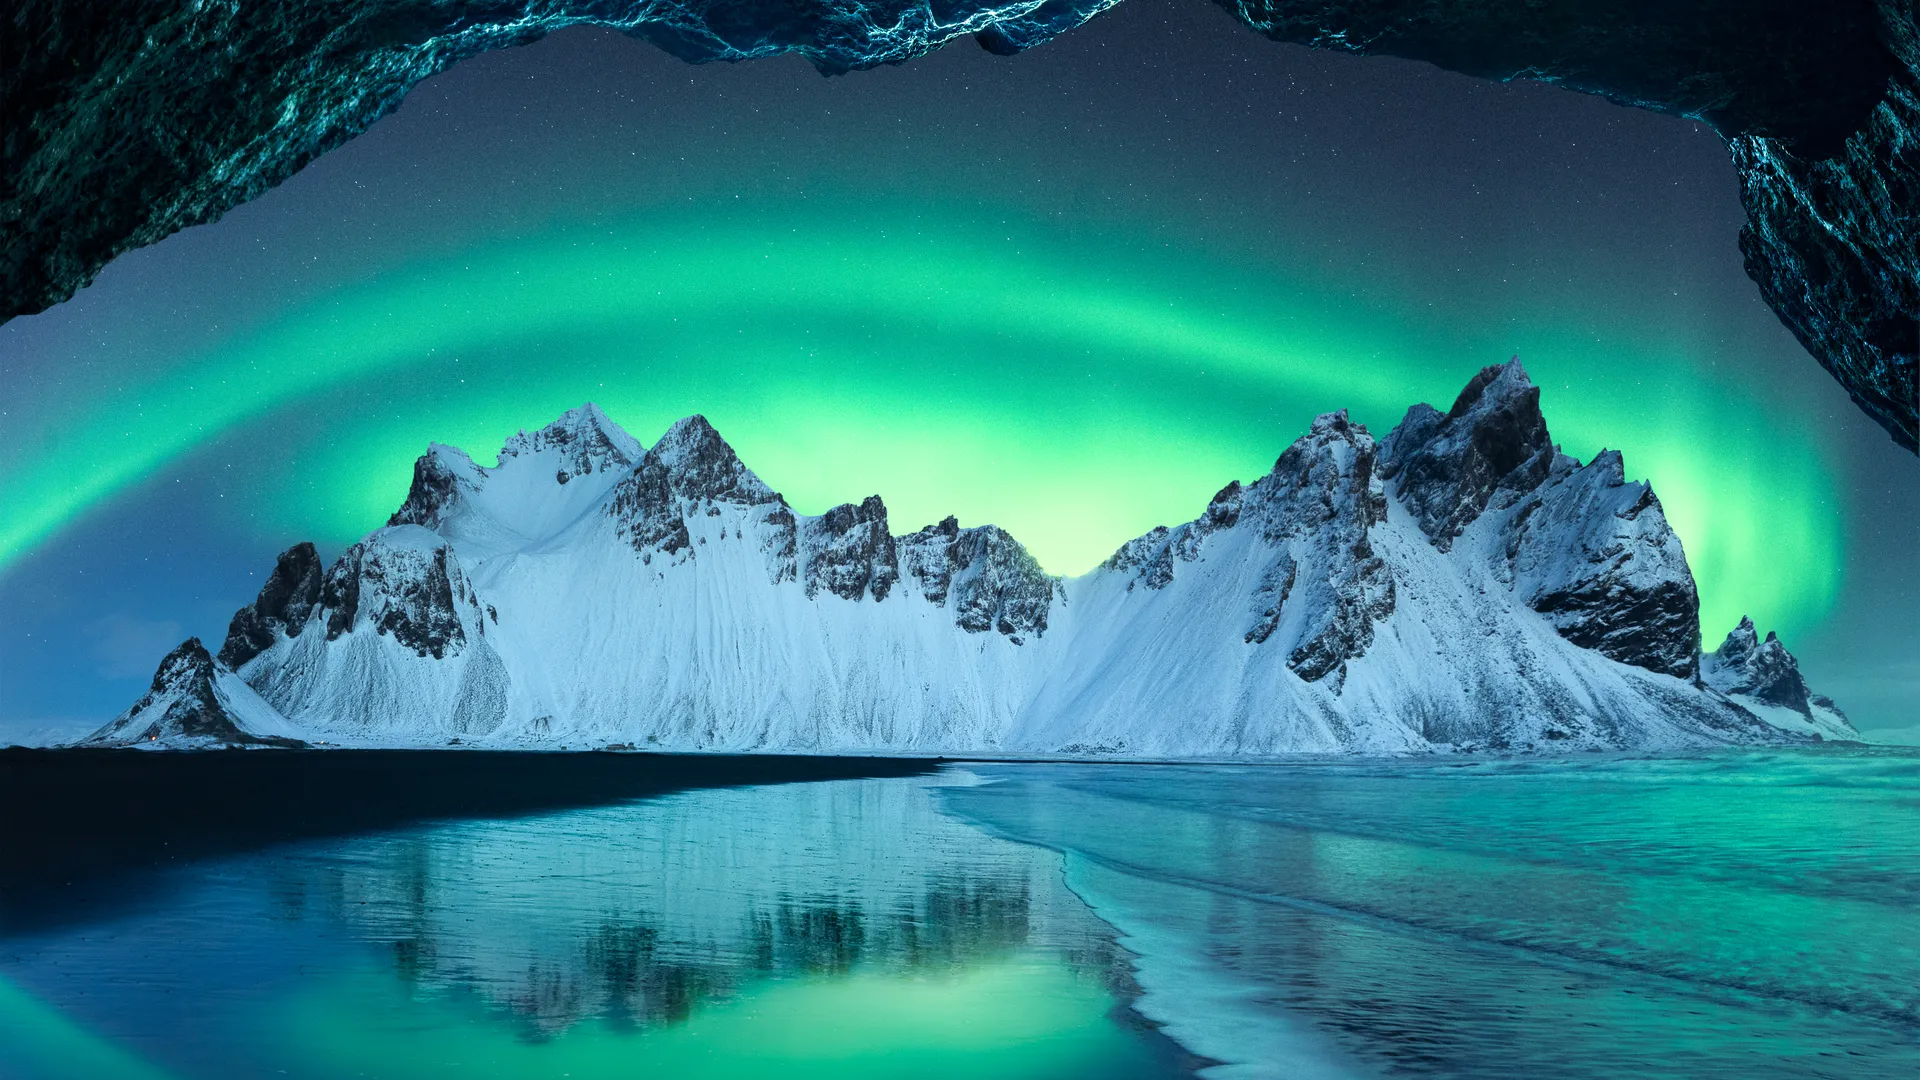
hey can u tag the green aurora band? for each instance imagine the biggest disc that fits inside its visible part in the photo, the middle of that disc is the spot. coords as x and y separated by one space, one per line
1074 389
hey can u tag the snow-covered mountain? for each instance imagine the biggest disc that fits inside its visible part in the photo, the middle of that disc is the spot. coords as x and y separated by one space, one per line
1460 584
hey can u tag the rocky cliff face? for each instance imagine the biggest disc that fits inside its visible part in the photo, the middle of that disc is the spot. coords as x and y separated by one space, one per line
289 597
1461 584
404 583
986 577
1831 241
1584 547
1313 513
122 121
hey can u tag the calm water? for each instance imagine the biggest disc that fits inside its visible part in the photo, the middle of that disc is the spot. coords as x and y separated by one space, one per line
1745 916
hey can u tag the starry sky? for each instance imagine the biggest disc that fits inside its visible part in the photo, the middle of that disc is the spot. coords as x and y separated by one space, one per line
1071 293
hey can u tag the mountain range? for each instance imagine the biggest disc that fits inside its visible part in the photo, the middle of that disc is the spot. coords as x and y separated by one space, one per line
1461 584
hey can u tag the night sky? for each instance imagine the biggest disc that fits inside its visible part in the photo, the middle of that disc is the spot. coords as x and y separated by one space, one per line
1071 293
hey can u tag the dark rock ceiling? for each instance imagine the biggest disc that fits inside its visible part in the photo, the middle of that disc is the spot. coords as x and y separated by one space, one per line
122 121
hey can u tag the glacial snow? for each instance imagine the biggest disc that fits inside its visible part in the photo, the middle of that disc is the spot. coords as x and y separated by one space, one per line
586 591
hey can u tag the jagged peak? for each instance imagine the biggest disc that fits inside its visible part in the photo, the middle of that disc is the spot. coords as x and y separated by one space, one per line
1491 386
1335 440
448 454
702 464
1335 423
1450 466
1763 669
437 477
188 660
285 601
690 435
1741 641
1496 416
1610 463
586 430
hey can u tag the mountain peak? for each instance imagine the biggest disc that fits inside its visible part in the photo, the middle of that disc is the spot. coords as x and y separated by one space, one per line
1740 643
1763 671
1330 423
690 464
586 437
704 464
289 596
1451 466
691 438
1494 383
188 661
184 705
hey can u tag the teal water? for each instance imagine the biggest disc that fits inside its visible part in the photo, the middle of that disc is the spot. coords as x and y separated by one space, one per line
834 929
1738 916
1751 916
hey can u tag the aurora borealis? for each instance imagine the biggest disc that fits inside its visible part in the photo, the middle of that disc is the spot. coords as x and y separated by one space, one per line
1065 319
1017 379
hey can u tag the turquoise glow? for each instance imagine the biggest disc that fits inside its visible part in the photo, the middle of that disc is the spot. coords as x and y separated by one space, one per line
1076 389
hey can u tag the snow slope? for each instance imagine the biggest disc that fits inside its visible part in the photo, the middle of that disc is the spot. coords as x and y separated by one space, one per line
1461 584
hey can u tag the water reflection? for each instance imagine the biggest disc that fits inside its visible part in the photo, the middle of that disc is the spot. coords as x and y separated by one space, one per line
846 926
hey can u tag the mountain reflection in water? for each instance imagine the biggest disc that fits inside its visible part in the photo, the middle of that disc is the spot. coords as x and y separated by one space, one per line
843 927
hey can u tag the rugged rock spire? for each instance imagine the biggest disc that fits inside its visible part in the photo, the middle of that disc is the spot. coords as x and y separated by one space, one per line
1491 446
690 470
406 583
285 602
993 583
849 551
1585 547
1594 553
1765 671
438 477
1313 512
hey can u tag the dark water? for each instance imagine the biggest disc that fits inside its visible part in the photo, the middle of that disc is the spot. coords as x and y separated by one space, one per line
1742 916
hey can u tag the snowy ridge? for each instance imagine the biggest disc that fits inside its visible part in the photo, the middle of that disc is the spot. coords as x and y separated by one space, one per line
1461 584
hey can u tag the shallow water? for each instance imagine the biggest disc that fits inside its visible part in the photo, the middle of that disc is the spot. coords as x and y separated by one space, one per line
1753 915
1749 916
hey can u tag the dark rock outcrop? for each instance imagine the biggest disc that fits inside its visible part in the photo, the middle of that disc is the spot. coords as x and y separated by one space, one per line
1589 550
992 581
284 604
122 121
690 469
997 585
182 704
1488 449
430 496
412 592
1606 568
850 553
1323 583
1324 496
1762 670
